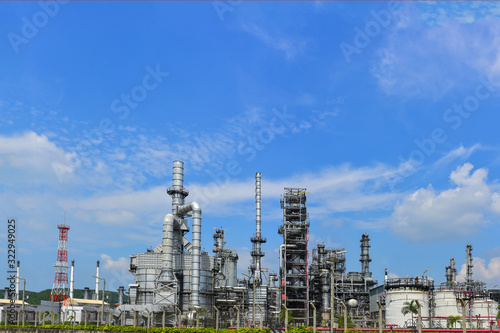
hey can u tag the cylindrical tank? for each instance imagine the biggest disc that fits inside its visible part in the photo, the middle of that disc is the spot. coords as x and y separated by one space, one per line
395 300
483 311
446 305
231 271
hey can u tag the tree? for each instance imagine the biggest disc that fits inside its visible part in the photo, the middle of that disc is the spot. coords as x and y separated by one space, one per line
290 317
410 307
339 319
498 313
452 321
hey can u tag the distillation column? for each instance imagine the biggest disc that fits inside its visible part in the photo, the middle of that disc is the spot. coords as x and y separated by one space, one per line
468 261
365 256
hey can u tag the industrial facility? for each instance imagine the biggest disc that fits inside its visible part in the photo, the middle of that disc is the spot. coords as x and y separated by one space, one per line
178 284
469 302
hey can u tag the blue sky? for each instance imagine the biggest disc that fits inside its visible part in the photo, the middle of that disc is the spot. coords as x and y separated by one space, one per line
386 112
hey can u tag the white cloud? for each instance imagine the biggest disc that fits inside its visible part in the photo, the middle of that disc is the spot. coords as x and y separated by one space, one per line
116 271
29 159
430 215
482 271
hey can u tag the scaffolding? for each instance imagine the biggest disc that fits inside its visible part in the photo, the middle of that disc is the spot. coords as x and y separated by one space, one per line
293 254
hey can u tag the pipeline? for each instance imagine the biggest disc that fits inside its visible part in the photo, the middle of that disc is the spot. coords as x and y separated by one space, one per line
168 249
196 252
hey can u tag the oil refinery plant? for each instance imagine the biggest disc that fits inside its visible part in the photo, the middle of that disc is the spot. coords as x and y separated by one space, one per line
177 283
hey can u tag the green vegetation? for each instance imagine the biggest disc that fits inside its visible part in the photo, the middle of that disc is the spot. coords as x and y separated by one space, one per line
452 321
290 317
339 319
142 329
409 307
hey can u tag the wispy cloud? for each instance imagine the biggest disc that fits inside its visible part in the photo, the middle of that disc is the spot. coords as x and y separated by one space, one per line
291 47
461 153
418 60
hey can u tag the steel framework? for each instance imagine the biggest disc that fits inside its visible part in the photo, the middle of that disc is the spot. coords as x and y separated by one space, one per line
293 269
60 287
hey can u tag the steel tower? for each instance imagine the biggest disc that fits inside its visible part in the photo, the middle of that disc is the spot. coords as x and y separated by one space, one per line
293 254
60 287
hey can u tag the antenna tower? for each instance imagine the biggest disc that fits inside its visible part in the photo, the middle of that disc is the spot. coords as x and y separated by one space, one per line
60 287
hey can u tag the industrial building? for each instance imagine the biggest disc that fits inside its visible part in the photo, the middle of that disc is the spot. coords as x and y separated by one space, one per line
328 269
178 284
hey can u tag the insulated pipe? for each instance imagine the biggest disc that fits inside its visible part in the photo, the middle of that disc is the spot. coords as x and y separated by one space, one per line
97 282
195 281
168 249
72 279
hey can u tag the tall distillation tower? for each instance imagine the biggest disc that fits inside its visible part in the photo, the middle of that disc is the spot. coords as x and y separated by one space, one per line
293 254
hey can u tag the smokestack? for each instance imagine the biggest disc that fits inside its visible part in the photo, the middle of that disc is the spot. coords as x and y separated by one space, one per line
365 256
86 293
72 280
177 191
385 276
6 293
468 261
17 280
121 291
97 282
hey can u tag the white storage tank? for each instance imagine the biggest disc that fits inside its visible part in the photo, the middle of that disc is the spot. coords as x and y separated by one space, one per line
446 305
395 300
401 290
483 311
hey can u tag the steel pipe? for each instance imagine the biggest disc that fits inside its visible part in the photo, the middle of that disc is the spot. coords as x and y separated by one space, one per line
196 250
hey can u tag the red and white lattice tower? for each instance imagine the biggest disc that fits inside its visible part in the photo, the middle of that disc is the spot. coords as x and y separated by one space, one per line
60 287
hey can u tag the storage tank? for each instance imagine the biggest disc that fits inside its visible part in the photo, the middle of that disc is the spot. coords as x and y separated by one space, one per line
395 300
446 305
483 311
231 271
401 290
